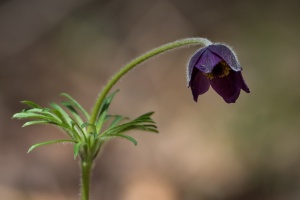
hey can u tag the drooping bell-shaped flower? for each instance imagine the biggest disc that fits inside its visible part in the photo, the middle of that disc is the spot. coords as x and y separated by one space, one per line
216 65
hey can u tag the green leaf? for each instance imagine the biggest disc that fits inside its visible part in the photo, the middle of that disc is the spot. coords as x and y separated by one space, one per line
84 125
77 149
106 103
49 142
73 112
61 113
38 122
145 117
75 131
42 116
74 103
143 122
46 112
131 139
104 138
31 104
117 120
129 126
103 111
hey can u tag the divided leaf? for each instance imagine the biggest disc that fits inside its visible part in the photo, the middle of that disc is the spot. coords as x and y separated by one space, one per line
68 117
143 122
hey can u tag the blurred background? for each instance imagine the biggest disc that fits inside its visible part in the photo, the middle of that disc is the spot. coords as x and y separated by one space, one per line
208 150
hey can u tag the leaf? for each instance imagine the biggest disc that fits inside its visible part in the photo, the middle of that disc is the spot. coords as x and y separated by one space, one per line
46 112
87 125
84 125
104 138
106 103
49 142
61 113
24 115
103 110
75 131
38 122
131 126
74 103
143 122
73 112
31 104
77 149
55 115
117 120
131 139
145 117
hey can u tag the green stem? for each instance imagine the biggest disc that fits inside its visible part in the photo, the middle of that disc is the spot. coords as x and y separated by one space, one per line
86 168
138 60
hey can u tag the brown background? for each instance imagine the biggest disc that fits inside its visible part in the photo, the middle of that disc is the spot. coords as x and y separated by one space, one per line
208 150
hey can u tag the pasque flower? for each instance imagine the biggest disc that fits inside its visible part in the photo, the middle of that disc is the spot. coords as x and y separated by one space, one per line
216 65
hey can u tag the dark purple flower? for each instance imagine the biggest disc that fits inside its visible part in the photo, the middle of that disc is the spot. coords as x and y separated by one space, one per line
216 65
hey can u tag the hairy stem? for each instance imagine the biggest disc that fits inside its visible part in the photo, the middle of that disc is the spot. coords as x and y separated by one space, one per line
86 168
138 60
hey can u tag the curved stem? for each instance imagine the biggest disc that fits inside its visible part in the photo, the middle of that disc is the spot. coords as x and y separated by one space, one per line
138 60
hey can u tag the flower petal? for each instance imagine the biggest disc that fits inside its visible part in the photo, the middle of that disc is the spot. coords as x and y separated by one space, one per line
227 55
240 82
193 60
199 83
226 87
207 61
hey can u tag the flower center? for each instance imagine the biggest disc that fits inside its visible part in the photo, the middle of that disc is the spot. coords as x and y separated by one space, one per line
220 70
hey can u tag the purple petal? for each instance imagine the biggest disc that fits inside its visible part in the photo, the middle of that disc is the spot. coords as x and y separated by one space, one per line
240 82
226 87
207 61
193 60
227 55
199 83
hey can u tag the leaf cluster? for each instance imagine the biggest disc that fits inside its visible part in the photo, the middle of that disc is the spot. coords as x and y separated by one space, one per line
73 119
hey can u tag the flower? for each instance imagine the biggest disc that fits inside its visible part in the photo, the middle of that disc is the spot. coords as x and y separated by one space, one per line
216 65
